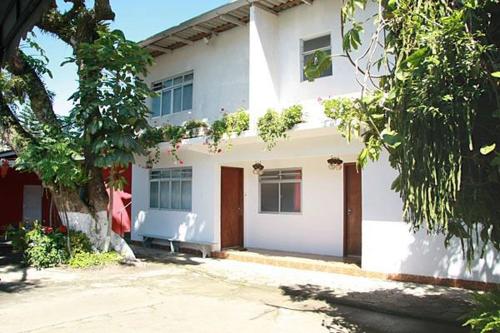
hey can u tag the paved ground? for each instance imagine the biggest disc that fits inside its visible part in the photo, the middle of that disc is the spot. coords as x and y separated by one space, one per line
185 294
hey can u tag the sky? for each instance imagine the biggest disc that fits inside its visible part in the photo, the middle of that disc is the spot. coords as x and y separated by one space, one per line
138 19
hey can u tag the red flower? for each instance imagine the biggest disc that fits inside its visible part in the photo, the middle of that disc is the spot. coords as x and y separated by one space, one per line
47 230
181 162
63 229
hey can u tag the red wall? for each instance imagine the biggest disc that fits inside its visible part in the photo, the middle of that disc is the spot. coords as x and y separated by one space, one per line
11 197
11 200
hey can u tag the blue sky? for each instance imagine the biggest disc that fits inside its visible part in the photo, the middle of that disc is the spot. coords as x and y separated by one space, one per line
138 19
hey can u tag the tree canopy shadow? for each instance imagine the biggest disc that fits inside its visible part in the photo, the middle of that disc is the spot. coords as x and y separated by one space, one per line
386 310
163 256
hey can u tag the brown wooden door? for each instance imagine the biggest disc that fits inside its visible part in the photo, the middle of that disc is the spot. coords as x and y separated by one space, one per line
352 210
231 207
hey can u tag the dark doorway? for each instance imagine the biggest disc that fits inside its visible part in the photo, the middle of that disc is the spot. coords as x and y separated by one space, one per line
231 228
352 210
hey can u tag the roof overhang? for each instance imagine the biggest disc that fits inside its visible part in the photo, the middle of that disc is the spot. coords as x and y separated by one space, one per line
211 23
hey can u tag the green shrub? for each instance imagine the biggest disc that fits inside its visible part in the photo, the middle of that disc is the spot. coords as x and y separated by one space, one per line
485 317
45 247
273 125
18 238
79 242
85 259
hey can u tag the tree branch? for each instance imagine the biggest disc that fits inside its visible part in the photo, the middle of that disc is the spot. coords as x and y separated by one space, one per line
10 123
103 10
41 102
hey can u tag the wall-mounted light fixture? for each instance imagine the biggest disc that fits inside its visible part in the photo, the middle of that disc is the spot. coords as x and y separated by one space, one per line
335 163
258 168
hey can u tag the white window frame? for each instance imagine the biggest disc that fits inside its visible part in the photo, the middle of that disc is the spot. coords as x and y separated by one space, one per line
170 179
282 181
303 54
162 88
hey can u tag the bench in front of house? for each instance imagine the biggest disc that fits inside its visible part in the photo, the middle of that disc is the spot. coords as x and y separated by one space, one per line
204 247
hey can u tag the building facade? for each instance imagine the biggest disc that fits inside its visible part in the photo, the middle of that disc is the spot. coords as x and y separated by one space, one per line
250 54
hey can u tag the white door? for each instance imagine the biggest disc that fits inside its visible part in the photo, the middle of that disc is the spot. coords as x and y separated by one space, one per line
32 203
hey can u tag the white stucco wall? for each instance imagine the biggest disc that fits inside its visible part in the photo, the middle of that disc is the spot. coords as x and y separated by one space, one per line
317 229
220 74
389 246
198 224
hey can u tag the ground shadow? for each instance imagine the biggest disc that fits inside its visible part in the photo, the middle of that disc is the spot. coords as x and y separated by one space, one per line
11 262
392 309
162 255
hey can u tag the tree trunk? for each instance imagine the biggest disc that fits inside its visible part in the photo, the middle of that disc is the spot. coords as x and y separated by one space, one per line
94 223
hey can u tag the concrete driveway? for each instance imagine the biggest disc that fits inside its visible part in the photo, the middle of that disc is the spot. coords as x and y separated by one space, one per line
185 294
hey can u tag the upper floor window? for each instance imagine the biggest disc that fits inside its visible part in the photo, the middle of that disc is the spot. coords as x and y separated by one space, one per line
175 94
280 191
170 188
309 46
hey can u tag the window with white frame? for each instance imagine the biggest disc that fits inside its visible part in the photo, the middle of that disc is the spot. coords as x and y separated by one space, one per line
310 46
170 188
175 94
281 191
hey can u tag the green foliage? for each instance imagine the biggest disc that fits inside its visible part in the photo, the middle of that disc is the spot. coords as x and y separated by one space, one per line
45 247
485 317
273 125
80 243
110 108
231 123
317 64
17 236
195 128
86 259
431 99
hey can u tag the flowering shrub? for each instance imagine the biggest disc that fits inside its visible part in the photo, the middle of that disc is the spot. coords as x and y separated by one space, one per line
45 247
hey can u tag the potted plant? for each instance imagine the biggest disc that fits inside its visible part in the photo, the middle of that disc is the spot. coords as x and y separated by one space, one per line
196 128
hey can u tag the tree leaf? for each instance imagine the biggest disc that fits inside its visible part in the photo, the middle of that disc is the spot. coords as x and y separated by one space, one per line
485 150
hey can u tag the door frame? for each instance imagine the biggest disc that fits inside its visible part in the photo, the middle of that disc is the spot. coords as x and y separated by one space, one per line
242 170
344 177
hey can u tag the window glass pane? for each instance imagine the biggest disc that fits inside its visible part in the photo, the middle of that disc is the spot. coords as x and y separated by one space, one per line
290 197
155 107
269 197
270 175
316 43
187 97
187 173
186 195
177 80
155 174
291 174
165 174
153 195
176 173
166 102
167 83
188 77
165 194
177 99
176 195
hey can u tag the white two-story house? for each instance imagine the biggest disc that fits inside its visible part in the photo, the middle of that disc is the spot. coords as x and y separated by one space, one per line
250 54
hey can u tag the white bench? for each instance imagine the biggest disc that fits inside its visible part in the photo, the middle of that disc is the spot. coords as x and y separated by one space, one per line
204 247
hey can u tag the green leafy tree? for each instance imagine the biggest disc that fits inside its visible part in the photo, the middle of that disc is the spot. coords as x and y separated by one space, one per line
429 73
104 128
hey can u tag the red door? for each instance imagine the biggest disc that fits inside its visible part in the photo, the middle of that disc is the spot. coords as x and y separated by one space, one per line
352 210
231 207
